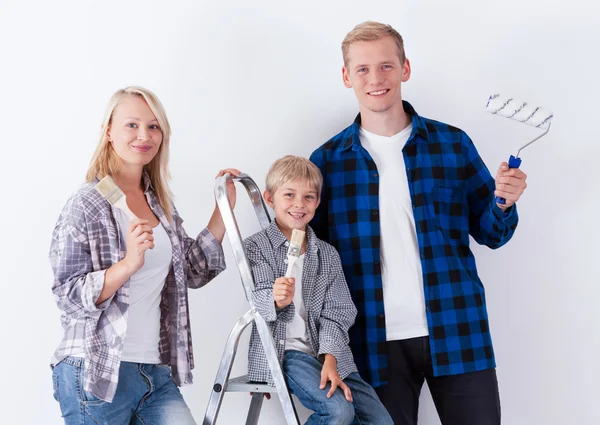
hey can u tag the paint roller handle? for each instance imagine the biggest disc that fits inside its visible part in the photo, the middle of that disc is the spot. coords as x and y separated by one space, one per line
512 163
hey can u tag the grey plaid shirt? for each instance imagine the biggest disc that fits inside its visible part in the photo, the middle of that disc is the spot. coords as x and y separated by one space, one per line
85 243
329 309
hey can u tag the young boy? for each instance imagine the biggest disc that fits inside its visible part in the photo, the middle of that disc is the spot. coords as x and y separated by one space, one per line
310 313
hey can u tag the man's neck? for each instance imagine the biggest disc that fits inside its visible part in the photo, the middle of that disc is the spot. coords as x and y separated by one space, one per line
387 123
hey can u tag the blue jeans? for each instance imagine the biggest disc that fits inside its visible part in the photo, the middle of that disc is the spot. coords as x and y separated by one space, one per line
146 395
303 375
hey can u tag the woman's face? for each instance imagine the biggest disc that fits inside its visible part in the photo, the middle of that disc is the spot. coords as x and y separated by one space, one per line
134 132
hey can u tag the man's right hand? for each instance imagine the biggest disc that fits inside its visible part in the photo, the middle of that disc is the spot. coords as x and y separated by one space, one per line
283 291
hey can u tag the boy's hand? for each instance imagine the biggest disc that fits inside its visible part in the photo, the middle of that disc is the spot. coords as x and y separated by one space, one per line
283 291
329 373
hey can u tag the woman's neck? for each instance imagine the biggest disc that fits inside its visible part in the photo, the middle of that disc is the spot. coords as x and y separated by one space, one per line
129 180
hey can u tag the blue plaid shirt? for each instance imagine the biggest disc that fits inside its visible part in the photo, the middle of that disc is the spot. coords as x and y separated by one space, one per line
452 196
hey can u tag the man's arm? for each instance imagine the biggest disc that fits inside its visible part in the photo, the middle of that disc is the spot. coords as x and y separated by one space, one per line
488 223
319 222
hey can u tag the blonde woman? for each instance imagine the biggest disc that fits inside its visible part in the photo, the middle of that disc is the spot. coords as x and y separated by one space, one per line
121 284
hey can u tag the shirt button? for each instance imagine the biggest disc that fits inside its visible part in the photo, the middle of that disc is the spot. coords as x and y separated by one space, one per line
287 243
375 213
381 316
422 256
281 341
375 175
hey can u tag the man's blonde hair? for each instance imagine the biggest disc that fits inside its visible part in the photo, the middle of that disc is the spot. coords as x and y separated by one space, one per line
106 161
371 31
292 168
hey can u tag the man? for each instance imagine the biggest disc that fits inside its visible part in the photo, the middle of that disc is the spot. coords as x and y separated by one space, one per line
401 195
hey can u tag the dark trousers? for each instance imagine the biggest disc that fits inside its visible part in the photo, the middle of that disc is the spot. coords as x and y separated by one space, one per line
466 399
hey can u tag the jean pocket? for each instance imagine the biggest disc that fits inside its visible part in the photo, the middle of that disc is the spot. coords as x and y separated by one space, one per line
55 386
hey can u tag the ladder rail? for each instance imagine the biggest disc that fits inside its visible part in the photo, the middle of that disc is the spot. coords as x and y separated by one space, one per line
237 245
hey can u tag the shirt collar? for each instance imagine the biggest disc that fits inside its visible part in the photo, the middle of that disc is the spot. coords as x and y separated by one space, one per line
419 128
278 238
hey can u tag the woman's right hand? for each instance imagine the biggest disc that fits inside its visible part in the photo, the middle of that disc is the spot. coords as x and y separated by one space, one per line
139 239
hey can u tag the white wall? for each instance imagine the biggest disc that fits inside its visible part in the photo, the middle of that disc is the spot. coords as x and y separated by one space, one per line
246 82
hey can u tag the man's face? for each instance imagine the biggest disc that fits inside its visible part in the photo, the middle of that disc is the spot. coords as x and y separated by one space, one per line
374 71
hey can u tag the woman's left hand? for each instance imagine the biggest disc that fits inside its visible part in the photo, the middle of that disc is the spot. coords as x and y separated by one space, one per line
230 185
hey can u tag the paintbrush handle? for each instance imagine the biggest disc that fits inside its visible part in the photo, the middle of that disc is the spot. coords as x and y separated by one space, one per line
122 204
291 261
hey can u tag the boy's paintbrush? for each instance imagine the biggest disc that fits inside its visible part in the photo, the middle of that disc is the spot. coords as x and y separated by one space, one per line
294 250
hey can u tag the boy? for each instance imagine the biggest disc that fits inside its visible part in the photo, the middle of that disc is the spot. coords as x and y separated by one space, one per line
310 313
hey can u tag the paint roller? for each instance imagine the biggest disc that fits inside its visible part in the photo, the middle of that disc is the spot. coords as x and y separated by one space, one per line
523 112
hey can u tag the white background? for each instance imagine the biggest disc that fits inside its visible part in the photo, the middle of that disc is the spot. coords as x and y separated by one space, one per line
244 83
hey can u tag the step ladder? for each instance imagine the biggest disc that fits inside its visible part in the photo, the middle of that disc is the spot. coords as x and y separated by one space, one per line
240 384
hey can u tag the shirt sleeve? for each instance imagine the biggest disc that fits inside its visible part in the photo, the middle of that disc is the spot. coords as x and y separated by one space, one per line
338 313
76 285
319 221
204 256
264 278
488 224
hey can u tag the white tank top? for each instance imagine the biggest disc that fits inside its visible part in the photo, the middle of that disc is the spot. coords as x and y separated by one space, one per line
145 290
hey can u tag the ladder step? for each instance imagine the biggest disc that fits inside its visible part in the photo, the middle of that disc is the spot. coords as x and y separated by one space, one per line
241 384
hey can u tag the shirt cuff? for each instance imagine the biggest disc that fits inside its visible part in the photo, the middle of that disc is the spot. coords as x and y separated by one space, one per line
212 249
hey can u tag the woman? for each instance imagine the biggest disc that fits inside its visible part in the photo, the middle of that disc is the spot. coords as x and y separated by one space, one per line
122 284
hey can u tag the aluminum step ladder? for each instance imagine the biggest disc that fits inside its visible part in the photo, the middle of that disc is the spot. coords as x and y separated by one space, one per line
240 384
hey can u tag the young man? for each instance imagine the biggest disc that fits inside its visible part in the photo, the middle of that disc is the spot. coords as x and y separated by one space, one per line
401 195
309 314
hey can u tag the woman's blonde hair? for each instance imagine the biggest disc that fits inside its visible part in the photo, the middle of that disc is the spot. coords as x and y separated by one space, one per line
106 162
291 169
371 31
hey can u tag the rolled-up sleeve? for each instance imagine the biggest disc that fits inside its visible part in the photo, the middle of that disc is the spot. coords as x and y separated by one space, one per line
76 285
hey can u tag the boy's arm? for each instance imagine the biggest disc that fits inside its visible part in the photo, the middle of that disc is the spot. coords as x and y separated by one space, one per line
263 276
338 312
488 224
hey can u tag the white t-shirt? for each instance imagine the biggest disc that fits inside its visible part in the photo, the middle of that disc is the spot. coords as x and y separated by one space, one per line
402 275
296 331
145 290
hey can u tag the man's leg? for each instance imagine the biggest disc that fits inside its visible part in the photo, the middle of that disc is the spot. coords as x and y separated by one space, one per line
406 367
467 399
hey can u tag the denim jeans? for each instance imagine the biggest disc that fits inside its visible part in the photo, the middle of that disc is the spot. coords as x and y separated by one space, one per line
146 395
303 375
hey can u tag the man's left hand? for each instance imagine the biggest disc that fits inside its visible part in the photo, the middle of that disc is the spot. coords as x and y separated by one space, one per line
510 185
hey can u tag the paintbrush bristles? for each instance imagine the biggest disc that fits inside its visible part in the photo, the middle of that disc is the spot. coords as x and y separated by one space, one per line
109 190
114 195
296 242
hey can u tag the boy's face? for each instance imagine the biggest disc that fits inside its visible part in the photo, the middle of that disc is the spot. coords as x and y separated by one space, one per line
294 204
374 71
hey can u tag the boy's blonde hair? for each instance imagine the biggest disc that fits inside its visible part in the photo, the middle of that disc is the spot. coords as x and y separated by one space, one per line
371 31
292 168
106 161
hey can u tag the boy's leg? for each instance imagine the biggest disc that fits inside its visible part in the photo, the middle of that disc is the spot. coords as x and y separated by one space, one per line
407 361
368 408
303 375
467 399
